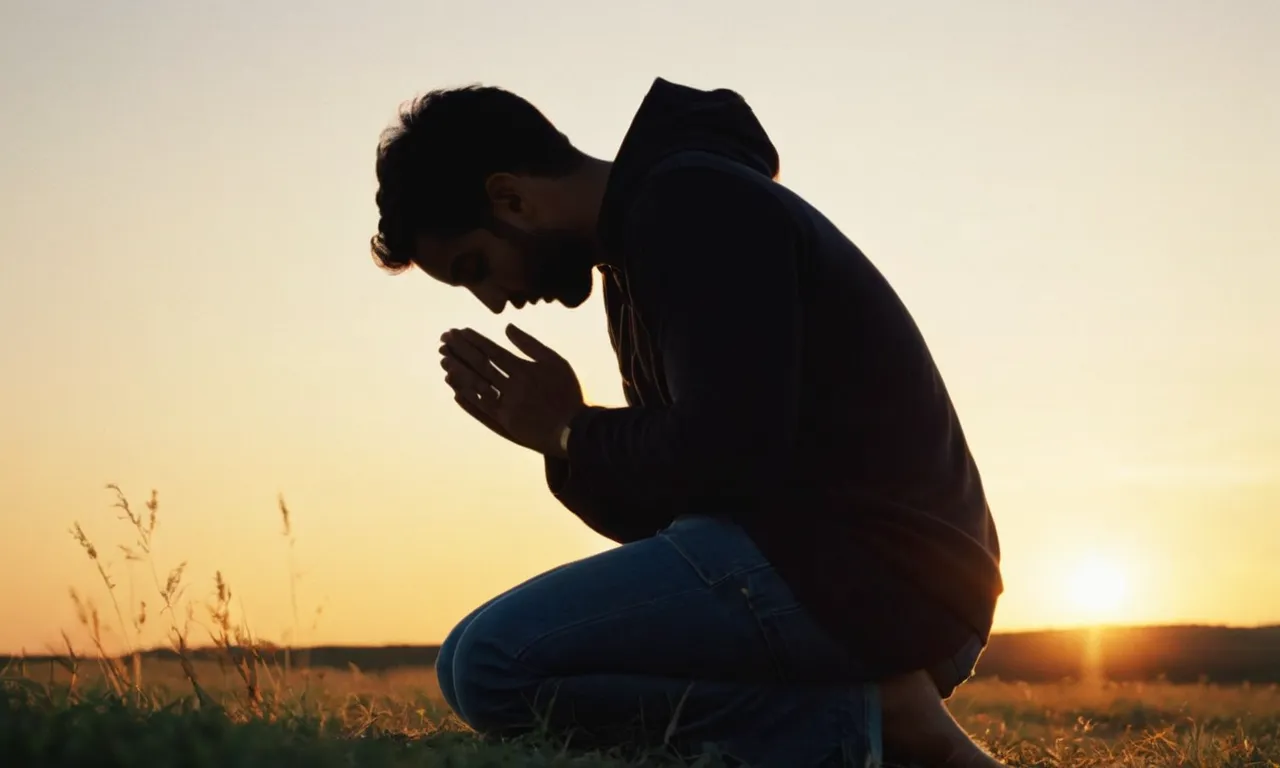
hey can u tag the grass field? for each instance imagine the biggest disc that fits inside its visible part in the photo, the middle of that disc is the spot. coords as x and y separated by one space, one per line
345 718
243 707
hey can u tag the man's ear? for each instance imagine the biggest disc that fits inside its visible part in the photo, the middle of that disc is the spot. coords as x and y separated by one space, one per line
505 194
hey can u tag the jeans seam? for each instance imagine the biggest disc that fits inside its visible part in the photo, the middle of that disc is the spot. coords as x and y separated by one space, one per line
519 654
770 647
783 612
776 655
754 568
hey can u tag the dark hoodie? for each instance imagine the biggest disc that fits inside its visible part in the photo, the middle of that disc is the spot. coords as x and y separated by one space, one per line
773 377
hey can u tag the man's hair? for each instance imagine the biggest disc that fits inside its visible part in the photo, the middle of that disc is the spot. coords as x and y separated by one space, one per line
432 165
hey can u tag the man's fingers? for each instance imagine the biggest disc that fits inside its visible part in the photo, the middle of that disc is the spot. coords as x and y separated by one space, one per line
471 356
467 356
493 352
463 380
535 349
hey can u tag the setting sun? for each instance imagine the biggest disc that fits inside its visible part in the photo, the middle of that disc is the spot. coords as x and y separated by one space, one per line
1099 587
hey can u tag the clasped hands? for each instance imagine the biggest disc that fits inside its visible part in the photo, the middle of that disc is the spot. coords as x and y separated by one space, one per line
529 402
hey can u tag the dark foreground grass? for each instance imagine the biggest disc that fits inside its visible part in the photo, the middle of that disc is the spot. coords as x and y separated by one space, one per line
352 720
42 725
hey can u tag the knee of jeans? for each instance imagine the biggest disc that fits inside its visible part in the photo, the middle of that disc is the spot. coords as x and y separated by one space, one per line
444 666
493 692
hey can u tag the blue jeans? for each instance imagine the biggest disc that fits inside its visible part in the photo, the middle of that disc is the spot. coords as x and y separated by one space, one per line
686 638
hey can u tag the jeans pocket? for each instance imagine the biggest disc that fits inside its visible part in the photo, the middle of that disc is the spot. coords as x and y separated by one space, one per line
805 652
717 549
728 561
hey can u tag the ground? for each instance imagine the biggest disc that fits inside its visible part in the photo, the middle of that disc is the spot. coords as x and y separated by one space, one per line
242 703
346 718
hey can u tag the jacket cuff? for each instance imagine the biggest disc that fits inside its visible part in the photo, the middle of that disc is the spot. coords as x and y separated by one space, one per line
559 472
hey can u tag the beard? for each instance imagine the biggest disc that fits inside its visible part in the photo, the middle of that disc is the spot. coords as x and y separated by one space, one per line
559 267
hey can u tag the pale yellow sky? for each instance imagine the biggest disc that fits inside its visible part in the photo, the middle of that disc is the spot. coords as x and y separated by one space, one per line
1076 199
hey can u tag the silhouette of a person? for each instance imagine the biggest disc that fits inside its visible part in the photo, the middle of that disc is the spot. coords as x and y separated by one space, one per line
808 564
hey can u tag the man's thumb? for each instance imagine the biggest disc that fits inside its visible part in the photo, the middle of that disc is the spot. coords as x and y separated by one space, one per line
535 349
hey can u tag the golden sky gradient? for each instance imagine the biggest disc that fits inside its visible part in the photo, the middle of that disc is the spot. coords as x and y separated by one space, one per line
1076 199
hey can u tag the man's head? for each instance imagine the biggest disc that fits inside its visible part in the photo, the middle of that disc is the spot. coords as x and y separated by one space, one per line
478 189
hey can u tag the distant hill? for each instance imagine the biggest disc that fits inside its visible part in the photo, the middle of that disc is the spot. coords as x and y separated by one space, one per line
1184 654
1180 654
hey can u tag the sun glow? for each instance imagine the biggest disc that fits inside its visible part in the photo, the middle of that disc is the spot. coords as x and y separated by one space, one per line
1098 588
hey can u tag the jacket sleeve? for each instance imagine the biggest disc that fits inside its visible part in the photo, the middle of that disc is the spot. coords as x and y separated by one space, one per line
617 513
713 270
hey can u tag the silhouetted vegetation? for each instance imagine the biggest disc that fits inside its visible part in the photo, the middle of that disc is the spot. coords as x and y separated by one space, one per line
239 700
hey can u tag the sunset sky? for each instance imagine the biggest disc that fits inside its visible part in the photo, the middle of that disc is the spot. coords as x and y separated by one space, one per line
1077 200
